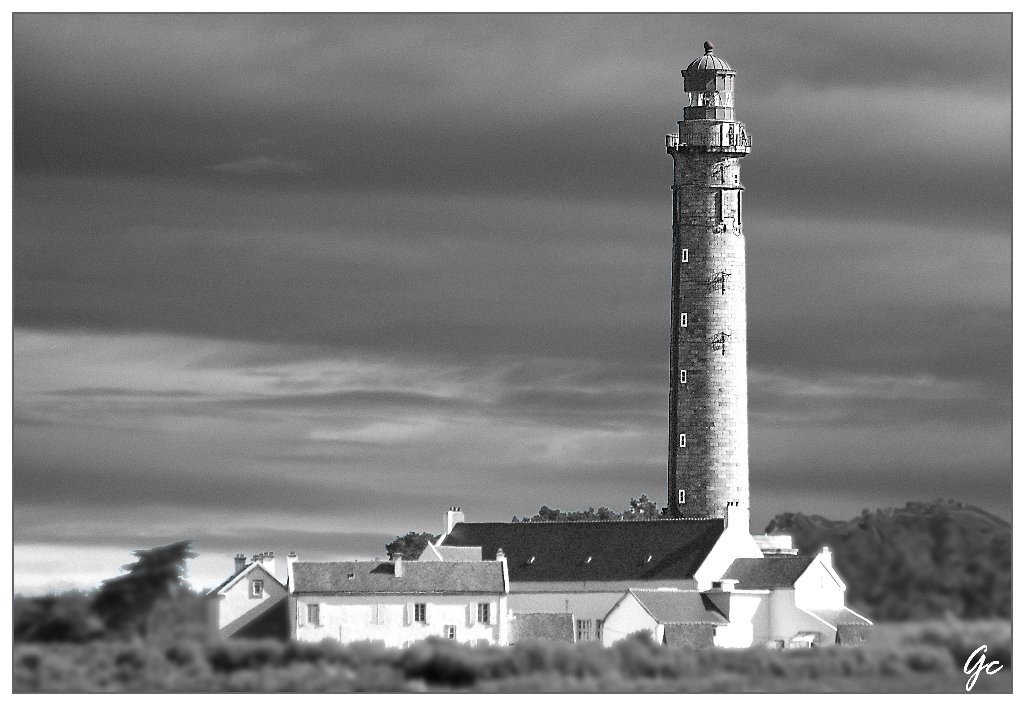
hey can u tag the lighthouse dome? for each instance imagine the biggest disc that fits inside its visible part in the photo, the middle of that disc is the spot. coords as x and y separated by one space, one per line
708 62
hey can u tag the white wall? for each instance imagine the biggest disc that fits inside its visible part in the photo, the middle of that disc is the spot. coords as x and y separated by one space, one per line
735 542
788 620
585 605
628 617
350 618
237 601
739 633
820 587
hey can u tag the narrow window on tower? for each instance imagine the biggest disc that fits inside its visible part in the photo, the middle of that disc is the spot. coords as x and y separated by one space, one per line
686 255
682 496
682 440
682 376
718 206
682 320
739 208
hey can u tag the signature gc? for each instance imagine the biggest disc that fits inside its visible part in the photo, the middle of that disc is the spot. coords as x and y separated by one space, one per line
980 665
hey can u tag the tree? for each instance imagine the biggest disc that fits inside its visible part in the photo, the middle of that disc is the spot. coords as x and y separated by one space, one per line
411 545
125 603
641 509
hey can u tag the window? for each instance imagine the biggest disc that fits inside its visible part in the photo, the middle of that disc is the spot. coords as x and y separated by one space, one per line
599 632
739 206
420 612
377 614
682 496
584 629
449 632
313 614
718 206
682 440
483 613
686 255
682 376
682 320
256 588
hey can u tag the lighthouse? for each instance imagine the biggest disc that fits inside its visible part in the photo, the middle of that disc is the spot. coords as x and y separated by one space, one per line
708 474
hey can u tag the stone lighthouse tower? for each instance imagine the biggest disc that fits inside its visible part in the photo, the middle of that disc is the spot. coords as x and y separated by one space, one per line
707 459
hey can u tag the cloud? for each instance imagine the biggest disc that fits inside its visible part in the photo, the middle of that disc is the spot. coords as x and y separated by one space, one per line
320 268
263 165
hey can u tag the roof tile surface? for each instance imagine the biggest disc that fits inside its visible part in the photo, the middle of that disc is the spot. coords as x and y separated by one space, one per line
376 577
617 550
769 572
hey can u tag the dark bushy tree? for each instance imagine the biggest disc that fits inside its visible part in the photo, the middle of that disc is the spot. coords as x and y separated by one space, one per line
927 559
125 603
411 545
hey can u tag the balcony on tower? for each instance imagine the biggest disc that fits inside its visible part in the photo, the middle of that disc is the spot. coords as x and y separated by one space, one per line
717 137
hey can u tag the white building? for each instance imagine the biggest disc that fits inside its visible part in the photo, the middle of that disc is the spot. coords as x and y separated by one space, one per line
398 602
805 603
252 602
648 575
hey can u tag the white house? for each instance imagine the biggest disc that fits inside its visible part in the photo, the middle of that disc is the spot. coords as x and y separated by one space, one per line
252 602
398 602
805 604
600 571
671 616
584 568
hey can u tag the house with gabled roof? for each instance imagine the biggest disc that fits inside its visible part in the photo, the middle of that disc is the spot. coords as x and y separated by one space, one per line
584 568
671 616
252 603
398 602
806 602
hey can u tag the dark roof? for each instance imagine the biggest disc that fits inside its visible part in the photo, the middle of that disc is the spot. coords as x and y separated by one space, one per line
530 626
769 572
679 607
618 550
379 577
709 61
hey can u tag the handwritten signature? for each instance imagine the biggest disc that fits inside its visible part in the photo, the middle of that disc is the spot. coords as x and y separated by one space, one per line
989 667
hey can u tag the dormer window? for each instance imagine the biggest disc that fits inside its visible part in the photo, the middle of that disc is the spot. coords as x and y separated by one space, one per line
256 588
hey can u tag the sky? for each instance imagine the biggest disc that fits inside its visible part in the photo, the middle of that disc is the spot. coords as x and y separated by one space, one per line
289 282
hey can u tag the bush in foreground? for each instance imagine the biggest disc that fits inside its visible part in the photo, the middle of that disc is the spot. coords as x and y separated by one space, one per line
907 657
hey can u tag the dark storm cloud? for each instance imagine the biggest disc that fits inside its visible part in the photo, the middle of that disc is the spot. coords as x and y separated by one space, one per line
475 103
126 490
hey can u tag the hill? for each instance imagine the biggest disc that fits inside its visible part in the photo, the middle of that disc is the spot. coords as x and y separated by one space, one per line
927 559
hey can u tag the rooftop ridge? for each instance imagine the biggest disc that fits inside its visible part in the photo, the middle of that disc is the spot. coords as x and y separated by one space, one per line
599 521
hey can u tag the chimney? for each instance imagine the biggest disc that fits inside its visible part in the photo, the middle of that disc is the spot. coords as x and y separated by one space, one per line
290 562
239 563
737 517
453 516
399 568
267 560
500 557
